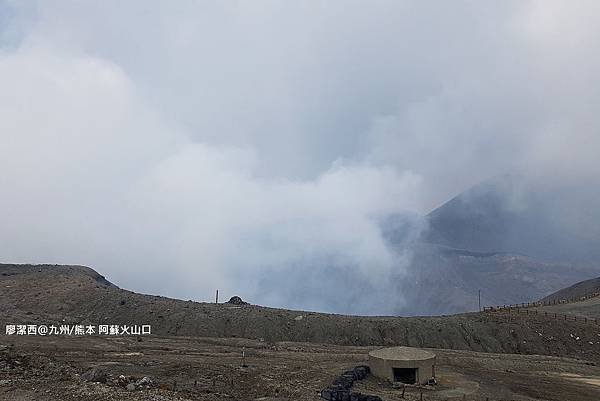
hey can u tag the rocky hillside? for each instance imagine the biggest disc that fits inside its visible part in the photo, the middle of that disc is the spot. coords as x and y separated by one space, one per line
578 290
78 295
444 280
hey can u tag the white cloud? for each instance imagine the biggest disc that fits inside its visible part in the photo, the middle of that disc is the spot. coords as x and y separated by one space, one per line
183 147
91 175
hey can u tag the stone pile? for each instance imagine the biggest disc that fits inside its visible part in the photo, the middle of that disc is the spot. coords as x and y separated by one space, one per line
341 388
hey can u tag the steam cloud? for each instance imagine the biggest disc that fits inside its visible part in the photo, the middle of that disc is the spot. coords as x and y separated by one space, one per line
257 148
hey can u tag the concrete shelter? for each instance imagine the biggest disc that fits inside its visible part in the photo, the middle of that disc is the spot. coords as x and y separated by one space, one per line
403 364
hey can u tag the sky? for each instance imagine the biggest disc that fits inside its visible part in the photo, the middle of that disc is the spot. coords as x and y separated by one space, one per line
181 147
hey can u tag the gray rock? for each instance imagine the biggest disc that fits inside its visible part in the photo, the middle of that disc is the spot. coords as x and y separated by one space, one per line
130 387
145 381
122 381
96 375
235 300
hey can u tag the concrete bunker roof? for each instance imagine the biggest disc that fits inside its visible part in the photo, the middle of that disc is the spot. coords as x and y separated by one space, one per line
402 354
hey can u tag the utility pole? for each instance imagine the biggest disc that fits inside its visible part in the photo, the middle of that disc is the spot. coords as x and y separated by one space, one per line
217 297
479 300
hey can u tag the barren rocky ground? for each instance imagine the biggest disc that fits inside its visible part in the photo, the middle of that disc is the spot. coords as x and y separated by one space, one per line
184 368
195 350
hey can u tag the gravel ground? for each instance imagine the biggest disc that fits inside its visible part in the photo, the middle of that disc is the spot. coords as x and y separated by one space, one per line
184 368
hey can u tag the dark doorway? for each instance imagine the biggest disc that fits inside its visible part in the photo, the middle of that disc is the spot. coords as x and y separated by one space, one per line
405 375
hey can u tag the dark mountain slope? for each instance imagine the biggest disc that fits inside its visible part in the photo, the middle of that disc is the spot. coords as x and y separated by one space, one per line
548 221
578 290
581 300
517 239
445 280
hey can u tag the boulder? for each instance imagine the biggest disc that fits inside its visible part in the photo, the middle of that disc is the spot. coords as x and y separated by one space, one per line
122 381
145 381
235 300
95 375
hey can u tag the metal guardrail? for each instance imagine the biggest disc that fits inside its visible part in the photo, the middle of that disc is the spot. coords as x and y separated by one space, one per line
557 316
525 305
526 308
